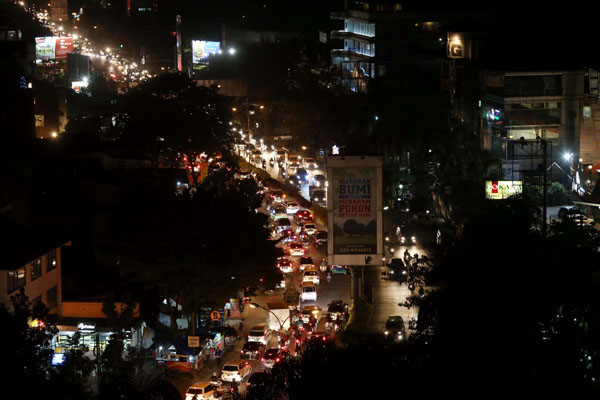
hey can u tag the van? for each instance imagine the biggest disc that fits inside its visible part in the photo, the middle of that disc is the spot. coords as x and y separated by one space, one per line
260 333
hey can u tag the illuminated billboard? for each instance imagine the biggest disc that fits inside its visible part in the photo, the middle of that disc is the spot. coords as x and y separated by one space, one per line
44 48
51 47
64 46
498 190
202 49
355 214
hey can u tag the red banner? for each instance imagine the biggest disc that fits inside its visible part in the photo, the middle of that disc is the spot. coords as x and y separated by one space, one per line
64 46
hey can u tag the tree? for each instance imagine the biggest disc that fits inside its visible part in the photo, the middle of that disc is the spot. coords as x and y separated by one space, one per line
27 329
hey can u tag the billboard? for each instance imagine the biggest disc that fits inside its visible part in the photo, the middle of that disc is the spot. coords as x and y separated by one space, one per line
202 49
44 48
64 46
51 47
498 190
355 212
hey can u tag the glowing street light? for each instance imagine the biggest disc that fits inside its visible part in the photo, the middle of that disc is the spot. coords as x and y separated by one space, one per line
567 156
232 51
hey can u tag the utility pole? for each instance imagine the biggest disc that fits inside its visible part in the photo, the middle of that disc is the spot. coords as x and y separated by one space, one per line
544 227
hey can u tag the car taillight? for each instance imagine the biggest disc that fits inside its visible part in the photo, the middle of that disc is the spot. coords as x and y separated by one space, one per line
324 338
262 359
256 352
242 351
277 359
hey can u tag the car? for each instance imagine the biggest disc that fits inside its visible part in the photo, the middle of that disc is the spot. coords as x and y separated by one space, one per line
231 335
578 219
305 262
311 274
235 371
319 181
310 229
272 357
302 175
277 212
428 219
288 236
277 196
297 249
309 292
283 223
309 163
303 216
406 235
259 333
320 238
285 266
313 310
319 337
339 270
292 180
394 328
201 390
292 207
319 196
337 309
252 350
570 210
259 379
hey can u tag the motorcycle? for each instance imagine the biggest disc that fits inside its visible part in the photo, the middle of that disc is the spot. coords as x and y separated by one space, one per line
323 266
271 163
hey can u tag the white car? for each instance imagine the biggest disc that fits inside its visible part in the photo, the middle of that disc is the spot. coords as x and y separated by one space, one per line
310 229
292 208
201 390
235 371
311 275
309 292
297 249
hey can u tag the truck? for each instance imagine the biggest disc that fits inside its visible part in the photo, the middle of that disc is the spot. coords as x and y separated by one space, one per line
278 317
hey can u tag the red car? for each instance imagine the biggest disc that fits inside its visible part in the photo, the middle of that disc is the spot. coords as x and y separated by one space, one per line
303 216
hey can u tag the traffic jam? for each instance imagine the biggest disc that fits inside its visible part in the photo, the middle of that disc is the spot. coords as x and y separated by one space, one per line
312 304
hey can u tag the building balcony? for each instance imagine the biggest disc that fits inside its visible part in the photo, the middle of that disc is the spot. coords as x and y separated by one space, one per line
353 54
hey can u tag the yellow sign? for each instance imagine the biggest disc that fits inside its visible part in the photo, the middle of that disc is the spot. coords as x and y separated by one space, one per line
498 190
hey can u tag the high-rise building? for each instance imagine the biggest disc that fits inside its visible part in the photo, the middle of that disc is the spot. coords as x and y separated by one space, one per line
59 11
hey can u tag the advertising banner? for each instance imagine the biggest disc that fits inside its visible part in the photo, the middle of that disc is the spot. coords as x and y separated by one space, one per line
64 46
52 47
44 48
354 218
201 49
355 210
498 190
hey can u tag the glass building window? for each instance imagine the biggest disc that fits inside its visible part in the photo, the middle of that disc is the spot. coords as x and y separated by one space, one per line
51 261
36 269
52 297
15 279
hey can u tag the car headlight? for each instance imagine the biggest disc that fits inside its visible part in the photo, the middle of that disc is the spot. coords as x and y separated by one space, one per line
403 239
386 333
414 239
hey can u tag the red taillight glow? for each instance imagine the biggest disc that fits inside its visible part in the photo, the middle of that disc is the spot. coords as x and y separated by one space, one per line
277 359
324 338
256 352
262 359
